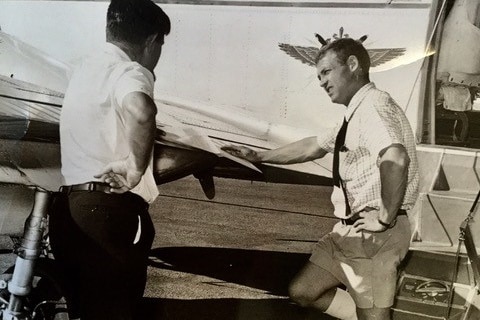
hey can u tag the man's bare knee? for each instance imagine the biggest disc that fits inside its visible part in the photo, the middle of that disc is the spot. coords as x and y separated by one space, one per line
310 285
301 294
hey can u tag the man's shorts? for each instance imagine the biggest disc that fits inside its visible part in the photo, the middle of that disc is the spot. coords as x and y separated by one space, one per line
365 262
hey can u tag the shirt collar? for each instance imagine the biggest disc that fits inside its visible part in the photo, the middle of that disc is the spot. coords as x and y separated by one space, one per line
357 99
113 49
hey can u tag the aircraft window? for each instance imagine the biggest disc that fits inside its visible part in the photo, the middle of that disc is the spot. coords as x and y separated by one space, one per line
457 92
458 124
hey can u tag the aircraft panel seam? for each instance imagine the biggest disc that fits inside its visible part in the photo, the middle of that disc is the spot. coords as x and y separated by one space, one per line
281 4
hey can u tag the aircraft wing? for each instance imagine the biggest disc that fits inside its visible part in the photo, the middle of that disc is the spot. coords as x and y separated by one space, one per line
28 111
29 134
209 128
188 141
29 117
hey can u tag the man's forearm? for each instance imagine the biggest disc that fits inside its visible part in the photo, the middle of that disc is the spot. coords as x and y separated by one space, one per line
140 141
300 151
394 178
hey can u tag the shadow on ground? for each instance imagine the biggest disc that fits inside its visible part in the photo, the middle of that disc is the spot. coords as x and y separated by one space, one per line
264 270
225 309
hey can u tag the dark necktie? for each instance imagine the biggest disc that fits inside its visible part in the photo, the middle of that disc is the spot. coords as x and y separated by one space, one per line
339 145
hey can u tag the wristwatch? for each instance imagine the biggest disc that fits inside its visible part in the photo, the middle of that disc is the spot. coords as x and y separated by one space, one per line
387 225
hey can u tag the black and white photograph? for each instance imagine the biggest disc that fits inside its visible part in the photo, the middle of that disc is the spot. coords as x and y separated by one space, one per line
239 159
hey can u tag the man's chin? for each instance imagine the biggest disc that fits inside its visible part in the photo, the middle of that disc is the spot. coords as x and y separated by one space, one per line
336 99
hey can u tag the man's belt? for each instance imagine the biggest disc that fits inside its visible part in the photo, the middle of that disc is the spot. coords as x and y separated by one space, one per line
354 218
89 186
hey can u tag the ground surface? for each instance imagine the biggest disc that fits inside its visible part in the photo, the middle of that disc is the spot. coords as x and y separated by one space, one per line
231 257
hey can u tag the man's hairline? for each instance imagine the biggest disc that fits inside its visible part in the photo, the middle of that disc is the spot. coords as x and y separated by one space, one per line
322 55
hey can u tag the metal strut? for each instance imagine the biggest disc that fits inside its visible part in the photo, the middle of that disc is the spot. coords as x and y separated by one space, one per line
27 254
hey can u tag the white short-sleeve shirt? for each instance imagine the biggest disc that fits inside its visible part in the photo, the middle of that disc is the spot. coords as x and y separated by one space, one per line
92 124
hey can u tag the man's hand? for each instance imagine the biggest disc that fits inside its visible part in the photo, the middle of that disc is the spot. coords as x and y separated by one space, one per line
120 176
242 152
368 221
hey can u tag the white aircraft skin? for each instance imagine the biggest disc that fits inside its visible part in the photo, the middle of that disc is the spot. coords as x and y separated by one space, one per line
224 59
228 74
228 55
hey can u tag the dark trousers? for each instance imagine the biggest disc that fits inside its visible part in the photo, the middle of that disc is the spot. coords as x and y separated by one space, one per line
92 236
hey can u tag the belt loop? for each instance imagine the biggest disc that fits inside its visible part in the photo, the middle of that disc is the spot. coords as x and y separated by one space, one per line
91 186
66 190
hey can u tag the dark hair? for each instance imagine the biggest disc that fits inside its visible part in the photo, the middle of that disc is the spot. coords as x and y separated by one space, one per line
133 21
344 48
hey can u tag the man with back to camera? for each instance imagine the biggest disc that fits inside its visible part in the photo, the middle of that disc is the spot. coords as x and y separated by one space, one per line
375 176
100 228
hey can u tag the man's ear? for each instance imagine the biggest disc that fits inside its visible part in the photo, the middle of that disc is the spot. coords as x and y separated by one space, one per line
353 63
151 39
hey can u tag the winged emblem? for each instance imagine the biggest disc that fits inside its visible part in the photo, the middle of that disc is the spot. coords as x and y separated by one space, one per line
307 55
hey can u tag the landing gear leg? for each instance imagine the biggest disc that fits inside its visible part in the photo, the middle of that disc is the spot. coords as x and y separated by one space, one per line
26 281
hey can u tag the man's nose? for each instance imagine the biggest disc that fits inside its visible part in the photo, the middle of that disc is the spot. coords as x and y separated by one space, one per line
323 83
